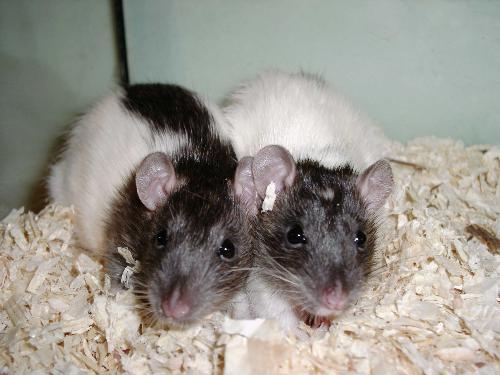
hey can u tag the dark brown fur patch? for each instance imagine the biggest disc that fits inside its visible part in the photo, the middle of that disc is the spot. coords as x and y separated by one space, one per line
198 216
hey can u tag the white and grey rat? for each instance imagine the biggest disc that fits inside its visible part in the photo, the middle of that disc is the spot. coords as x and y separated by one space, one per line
148 169
314 248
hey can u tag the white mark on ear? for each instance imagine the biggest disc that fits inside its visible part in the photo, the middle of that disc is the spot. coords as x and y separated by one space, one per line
155 180
268 203
273 164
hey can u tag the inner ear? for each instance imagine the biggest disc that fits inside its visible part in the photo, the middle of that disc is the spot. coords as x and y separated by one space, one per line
155 180
244 186
375 184
273 164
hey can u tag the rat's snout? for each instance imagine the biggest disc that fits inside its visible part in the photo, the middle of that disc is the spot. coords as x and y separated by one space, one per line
176 305
334 298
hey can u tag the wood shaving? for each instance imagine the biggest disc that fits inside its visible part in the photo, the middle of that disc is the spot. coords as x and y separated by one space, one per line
431 304
407 164
485 237
268 203
128 270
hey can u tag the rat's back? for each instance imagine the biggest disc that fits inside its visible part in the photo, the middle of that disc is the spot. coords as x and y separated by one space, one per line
303 114
108 143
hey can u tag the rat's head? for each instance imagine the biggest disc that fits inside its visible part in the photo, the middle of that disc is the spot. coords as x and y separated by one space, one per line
316 244
186 228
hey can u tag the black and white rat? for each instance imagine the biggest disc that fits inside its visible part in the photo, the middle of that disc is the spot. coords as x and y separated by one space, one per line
314 248
148 169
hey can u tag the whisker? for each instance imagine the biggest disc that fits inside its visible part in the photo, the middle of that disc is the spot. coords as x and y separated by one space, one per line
371 272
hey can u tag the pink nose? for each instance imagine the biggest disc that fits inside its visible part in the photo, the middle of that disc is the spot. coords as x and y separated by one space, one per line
335 298
175 306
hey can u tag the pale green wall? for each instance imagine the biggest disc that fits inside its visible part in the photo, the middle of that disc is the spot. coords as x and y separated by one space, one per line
56 57
417 67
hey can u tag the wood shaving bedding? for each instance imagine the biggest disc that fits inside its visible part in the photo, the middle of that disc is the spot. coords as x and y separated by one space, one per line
268 203
431 305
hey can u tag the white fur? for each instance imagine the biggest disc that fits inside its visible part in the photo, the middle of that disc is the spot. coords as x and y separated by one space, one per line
259 301
304 115
104 147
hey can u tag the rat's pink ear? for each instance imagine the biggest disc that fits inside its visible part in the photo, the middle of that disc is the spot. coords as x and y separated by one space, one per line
155 180
244 186
273 164
375 184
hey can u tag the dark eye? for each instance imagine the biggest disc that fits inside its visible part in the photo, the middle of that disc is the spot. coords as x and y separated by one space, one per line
226 250
295 236
160 240
360 239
